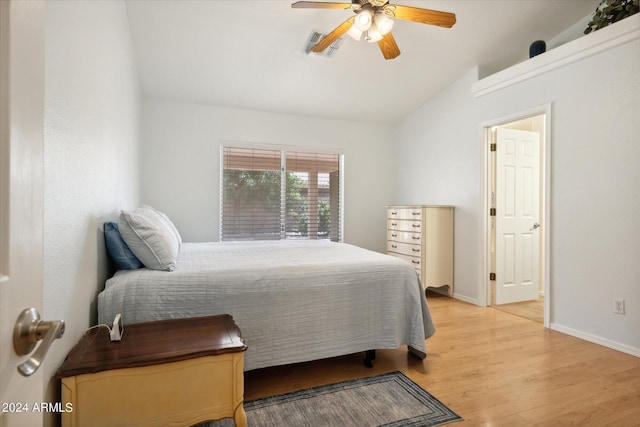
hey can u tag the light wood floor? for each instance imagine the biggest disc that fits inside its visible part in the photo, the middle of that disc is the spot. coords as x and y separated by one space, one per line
533 310
493 369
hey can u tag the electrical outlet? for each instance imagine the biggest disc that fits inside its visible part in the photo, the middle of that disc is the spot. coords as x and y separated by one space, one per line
618 306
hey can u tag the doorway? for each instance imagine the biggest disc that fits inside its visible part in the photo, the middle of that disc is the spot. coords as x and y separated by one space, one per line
517 214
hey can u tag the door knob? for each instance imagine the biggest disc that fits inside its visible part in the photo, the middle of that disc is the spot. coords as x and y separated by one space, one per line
30 329
535 225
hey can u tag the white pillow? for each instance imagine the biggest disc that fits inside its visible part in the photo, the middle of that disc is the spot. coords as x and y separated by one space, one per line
150 238
167 221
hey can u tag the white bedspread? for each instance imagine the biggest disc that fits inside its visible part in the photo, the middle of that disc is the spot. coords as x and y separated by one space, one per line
293 300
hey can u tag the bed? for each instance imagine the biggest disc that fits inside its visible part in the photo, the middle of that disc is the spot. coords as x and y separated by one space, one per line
295 301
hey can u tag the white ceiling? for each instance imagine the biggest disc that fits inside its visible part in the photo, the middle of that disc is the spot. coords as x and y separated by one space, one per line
250 54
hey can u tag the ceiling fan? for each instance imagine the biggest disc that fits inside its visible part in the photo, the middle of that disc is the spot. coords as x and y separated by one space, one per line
373 21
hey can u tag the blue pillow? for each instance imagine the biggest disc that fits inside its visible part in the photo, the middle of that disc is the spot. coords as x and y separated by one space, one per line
118 249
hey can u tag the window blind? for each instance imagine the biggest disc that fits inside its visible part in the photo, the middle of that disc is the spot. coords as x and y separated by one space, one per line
273 194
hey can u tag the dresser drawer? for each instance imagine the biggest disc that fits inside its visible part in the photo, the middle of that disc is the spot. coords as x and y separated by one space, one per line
404 225
413 260
404 248
404 236
404 213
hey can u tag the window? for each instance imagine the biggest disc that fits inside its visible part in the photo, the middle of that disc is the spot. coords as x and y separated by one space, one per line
276 194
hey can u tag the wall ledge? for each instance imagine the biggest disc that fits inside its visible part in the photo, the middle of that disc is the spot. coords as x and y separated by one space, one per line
609 37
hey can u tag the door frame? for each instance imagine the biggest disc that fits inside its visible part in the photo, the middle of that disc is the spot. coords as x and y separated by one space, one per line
545 203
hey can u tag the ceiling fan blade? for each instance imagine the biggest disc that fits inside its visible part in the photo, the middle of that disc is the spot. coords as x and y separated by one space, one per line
389 47
319 5
424 16
333 35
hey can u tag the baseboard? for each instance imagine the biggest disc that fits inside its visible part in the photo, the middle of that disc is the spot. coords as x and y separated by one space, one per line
467 299
634 351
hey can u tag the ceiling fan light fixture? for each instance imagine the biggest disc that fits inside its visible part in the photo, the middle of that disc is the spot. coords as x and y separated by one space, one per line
364 20
383 22
355 33
373 34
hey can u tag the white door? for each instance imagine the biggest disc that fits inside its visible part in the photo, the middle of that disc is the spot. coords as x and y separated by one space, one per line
517 215
21 197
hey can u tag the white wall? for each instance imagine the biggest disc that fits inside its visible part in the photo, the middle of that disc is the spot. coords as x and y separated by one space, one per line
92 114
438 161
595 176
181 163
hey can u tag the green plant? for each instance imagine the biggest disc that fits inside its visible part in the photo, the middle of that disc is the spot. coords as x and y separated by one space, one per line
610 11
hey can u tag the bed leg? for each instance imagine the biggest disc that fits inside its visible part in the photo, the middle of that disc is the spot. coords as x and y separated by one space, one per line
369 356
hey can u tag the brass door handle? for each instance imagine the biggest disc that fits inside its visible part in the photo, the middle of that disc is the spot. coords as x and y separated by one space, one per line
30 329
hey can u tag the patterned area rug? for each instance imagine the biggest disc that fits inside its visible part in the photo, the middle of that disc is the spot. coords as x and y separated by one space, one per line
390 400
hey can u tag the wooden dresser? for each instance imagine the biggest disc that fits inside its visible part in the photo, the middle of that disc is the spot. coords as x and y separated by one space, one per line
423 236
177 372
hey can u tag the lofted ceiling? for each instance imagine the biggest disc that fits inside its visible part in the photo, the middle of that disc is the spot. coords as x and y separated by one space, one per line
251 54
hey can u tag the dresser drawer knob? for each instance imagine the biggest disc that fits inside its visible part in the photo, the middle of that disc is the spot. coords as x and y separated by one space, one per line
415 237
394 223
415 225
415 262
394 213
394 246
415 250
415 213
394 235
